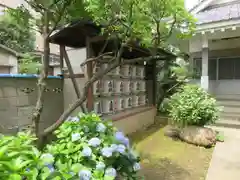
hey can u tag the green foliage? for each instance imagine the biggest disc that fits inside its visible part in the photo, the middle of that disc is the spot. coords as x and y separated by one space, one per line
171 75
193 106
58 13
85 146
16 34
145 20
18 157
29 64
220 137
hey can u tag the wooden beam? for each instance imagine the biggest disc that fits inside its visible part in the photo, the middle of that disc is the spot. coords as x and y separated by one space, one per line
89 50
71 73
154 83
61 48
96 39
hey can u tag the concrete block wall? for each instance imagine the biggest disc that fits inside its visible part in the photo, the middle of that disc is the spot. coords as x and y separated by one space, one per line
18 98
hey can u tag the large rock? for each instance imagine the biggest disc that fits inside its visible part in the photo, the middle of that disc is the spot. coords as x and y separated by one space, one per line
199 136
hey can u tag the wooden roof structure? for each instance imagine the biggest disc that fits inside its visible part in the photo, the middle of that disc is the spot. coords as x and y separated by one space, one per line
76 33
83 33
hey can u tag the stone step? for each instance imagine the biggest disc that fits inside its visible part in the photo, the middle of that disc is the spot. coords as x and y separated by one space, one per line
230 97
230 116
229 103
230 109
227 124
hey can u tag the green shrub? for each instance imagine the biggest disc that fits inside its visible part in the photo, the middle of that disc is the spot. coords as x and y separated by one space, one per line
19 158
192 105
86 148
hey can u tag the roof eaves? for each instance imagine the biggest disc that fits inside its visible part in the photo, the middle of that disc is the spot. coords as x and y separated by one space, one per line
200 6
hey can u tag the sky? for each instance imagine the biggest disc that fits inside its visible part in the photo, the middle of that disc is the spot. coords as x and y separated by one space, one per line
190 3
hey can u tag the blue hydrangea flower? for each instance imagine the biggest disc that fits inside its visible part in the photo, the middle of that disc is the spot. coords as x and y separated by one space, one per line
119 136
100 166
69 118
75 119
85 175
87 152
75 137
50 167
126 142
107 151
94 142
114 147
101 128
111 172
121 148
136 167
47 158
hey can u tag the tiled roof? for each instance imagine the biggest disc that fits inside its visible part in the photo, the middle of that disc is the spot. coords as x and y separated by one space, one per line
196 4
226 12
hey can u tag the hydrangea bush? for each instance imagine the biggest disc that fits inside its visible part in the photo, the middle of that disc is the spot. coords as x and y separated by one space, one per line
86 148
192 105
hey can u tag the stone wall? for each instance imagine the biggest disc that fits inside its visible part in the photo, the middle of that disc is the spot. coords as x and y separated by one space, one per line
18 97
135 120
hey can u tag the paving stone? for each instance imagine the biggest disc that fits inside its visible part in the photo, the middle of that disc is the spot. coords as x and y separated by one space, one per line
225 163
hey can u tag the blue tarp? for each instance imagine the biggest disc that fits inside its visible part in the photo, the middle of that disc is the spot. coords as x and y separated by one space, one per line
26 76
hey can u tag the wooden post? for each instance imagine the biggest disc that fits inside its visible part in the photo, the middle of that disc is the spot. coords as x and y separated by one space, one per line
61 47
71 74
154 82
89 75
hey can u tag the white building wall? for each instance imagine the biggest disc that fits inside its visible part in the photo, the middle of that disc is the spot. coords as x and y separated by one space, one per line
196 46
9 60
13 61
77 57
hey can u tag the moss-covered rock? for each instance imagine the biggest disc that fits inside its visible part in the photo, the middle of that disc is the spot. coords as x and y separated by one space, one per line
200 136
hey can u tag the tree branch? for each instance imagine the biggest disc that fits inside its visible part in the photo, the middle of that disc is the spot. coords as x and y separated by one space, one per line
171 29
37 7
95 77
96 58
60 15
42 79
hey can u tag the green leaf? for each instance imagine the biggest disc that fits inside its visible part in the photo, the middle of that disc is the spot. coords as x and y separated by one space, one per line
55 175
220 137
76 167
15 177
3 150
